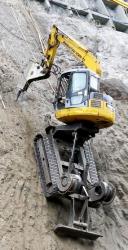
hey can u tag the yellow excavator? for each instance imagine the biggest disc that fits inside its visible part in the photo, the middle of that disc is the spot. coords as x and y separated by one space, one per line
64 156
78 96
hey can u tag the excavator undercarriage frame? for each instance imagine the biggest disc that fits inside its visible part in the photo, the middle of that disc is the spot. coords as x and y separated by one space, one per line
67 170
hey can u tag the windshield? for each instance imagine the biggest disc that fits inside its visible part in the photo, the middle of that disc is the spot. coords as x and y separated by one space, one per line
78 82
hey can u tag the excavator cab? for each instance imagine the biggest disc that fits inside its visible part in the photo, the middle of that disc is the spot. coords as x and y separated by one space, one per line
74 88
78 98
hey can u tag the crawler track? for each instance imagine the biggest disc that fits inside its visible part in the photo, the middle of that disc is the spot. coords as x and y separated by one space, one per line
47 164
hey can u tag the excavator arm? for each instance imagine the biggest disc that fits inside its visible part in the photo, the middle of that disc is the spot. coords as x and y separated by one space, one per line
120 2
57 37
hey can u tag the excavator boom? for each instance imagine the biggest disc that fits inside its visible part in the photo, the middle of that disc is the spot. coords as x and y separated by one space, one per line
120 2
42 70
58 37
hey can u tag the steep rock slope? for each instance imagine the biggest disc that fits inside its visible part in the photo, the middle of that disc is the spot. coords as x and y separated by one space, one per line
26 219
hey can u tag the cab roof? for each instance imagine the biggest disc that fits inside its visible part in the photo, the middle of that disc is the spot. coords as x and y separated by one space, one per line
79 70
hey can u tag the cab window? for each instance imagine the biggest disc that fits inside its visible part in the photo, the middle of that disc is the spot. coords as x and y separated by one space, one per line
79 82
94 83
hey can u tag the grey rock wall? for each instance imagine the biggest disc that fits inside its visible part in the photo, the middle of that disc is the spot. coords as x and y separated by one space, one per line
103 12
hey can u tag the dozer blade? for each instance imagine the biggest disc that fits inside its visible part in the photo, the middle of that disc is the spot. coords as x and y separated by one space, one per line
73 232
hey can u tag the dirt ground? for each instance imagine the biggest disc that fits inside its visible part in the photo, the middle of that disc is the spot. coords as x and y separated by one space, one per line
26 219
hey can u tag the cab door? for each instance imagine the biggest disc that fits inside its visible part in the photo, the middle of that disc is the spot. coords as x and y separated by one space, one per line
77 93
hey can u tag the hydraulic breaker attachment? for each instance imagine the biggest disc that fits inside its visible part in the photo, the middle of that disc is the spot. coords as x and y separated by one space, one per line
67 170
35 73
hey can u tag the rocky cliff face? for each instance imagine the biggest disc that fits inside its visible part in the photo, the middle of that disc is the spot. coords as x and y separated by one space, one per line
26 219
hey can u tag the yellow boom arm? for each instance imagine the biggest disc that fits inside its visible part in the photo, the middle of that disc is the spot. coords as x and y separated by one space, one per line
120 2
57 37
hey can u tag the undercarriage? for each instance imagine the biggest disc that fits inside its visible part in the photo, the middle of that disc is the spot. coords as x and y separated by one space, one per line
67 170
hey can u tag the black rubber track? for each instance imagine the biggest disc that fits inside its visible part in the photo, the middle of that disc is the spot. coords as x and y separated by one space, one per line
43 146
